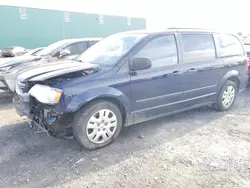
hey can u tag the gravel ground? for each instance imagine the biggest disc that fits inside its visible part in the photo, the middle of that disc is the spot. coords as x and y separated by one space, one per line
198 148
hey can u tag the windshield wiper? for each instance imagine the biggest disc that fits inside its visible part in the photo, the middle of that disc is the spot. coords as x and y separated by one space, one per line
78 60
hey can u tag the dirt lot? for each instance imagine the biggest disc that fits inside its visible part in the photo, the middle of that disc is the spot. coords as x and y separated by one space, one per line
199 148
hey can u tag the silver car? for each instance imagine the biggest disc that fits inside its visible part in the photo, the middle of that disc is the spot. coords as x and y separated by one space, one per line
64 49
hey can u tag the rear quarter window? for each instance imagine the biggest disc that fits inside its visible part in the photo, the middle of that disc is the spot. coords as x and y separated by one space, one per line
229 45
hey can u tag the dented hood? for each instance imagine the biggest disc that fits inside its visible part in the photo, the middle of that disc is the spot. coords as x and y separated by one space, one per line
50 70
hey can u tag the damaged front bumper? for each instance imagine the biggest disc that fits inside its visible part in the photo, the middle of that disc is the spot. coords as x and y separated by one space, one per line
21 104
55 123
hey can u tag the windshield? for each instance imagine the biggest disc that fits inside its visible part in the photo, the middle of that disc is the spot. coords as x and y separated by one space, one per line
51 48
36 52
109 50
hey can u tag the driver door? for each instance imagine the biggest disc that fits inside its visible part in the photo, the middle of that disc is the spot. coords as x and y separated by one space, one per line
158 90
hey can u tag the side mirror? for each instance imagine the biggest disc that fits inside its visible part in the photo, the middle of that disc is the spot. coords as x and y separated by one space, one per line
140 63
63 53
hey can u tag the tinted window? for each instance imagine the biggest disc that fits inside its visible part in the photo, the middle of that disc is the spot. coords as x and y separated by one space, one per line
162 51
77 48
198 47
229 45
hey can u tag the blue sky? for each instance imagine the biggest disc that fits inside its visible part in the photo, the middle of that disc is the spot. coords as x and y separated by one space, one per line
215 14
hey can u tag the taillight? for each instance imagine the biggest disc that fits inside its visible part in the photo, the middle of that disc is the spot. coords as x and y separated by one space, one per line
246 64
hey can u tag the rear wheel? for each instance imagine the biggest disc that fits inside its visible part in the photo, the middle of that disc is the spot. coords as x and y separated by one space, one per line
97 125
227 96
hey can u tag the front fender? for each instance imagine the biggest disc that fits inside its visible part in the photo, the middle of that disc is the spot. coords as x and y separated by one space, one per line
79 100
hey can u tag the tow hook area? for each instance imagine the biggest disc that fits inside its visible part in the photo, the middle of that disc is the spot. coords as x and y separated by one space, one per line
40 127
58 125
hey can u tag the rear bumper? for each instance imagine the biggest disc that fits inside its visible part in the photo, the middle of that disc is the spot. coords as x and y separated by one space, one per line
7 54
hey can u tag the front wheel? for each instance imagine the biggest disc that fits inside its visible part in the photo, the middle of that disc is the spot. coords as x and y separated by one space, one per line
97 125
227 96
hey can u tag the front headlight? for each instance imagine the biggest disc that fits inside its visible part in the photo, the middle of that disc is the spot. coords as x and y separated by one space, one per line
46 94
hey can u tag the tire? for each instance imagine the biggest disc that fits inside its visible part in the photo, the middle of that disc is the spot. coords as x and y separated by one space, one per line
84 127
221 101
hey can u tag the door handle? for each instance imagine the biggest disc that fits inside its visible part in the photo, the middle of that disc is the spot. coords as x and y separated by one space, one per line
177 73
191 70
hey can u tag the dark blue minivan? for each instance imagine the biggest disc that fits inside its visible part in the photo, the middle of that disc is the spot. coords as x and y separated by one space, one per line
132 77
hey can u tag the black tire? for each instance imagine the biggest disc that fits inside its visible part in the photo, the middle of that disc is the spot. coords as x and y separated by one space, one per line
81 120
219 105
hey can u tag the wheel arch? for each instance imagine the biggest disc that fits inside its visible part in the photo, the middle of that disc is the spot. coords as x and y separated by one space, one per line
236 80
112 100
109 94
233 76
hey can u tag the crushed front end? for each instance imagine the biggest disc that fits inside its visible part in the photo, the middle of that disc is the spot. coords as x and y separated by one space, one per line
40 98
45 116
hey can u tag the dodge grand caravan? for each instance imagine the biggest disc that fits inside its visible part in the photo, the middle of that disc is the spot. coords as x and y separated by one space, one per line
133 77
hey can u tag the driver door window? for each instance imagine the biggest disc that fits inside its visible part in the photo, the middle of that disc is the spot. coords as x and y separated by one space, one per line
162 51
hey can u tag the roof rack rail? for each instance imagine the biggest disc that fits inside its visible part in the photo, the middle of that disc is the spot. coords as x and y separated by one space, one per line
186 28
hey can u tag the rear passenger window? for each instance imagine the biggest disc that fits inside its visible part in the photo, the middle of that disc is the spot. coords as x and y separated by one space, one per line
162 51
229 45
198 47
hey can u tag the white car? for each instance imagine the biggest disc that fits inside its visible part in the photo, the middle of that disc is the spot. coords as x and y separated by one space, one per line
56 52
13 51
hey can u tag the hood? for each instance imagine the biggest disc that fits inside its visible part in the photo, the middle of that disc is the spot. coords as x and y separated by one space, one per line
50 70
18 60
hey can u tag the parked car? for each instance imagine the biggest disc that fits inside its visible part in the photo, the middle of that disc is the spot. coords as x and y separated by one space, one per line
16 60
65 49
35 51
32 52
246 43
133 77
13 51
